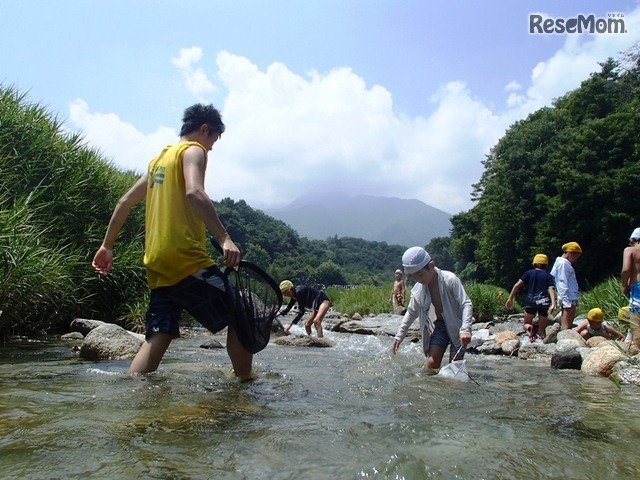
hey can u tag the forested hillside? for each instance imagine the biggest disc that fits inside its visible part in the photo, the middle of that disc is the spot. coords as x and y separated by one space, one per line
568 172
275 245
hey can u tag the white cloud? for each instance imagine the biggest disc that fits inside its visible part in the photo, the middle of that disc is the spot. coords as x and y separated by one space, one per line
196 81
290 134
119 141
572 64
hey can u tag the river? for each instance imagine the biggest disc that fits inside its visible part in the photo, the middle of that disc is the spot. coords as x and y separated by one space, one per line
352 411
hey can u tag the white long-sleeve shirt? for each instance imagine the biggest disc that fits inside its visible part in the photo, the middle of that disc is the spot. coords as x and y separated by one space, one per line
457 310
566 281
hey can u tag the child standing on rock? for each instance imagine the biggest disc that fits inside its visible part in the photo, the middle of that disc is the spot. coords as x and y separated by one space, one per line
540 299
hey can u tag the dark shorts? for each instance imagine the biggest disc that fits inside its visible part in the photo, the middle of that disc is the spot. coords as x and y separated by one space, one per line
440 338
202 295
319 300
541 311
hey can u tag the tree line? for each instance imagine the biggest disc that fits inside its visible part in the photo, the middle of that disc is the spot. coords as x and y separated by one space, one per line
568 172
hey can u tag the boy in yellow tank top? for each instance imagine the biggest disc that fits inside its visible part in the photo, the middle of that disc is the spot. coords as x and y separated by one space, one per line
180 272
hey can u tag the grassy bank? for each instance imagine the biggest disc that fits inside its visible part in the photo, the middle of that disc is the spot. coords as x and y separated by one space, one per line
488 300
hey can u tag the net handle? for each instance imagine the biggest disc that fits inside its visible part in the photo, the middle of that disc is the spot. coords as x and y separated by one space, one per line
251 266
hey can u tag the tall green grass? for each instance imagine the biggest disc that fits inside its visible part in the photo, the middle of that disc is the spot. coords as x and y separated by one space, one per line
365 299
56 197
608 296
488 301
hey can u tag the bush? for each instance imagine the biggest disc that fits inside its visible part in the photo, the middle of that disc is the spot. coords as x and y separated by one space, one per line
488 301
606 295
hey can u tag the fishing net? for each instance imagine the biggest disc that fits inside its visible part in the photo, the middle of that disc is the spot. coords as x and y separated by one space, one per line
256 299
455 370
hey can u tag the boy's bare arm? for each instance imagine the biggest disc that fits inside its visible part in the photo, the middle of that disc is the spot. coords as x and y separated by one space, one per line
628 269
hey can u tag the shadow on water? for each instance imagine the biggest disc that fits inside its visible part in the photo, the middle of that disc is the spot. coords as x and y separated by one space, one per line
351 411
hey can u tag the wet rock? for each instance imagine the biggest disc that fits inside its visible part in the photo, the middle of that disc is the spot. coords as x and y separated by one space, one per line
303 341
211 344
552 331
72 336
505 335
85 325
110 342
566 359
510 347
595 341
602 360
536 351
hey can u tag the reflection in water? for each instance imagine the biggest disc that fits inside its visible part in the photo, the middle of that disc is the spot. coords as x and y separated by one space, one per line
350 411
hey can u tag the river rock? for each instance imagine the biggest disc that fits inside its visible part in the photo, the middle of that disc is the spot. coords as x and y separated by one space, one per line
595 341
570 334
626 372
110 342
551 333
505 335
211 344
602 360
303 341
510 347
72 336
85 325
383 324
566 359
536 351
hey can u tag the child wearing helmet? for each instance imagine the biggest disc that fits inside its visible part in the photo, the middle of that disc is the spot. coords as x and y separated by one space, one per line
566 283
307 297
595 326
540 299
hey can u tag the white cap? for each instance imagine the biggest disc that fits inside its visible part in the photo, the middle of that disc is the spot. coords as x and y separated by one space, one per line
635 234
414 259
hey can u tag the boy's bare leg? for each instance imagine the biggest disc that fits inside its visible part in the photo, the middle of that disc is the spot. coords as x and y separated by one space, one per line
568 314
542 326
434 360
241 359
317 321
150 354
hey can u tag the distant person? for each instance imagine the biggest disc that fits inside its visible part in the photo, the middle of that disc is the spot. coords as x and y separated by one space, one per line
306 297
567 283
631 282
540 299
452 309
595 326
399 290
180 272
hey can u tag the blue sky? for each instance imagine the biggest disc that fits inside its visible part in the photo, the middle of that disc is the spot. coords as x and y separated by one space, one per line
399 98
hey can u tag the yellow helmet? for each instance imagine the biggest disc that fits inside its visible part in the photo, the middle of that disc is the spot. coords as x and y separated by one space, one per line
623 313
285 286
595 315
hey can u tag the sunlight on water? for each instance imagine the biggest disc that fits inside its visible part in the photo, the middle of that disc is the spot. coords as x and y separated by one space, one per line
352 411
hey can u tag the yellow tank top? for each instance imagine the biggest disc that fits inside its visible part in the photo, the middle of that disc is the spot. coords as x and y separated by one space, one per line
175 237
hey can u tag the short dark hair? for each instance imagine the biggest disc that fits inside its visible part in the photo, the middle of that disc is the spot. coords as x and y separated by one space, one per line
197 115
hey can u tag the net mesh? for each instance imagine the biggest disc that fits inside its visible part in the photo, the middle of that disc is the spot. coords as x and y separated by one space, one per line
256 300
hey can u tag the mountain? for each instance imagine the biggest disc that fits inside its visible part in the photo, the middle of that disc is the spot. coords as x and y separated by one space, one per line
383 219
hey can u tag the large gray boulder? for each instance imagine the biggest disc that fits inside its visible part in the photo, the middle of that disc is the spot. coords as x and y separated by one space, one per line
110 342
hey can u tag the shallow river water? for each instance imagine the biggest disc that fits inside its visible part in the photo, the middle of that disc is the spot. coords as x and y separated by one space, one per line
351 411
